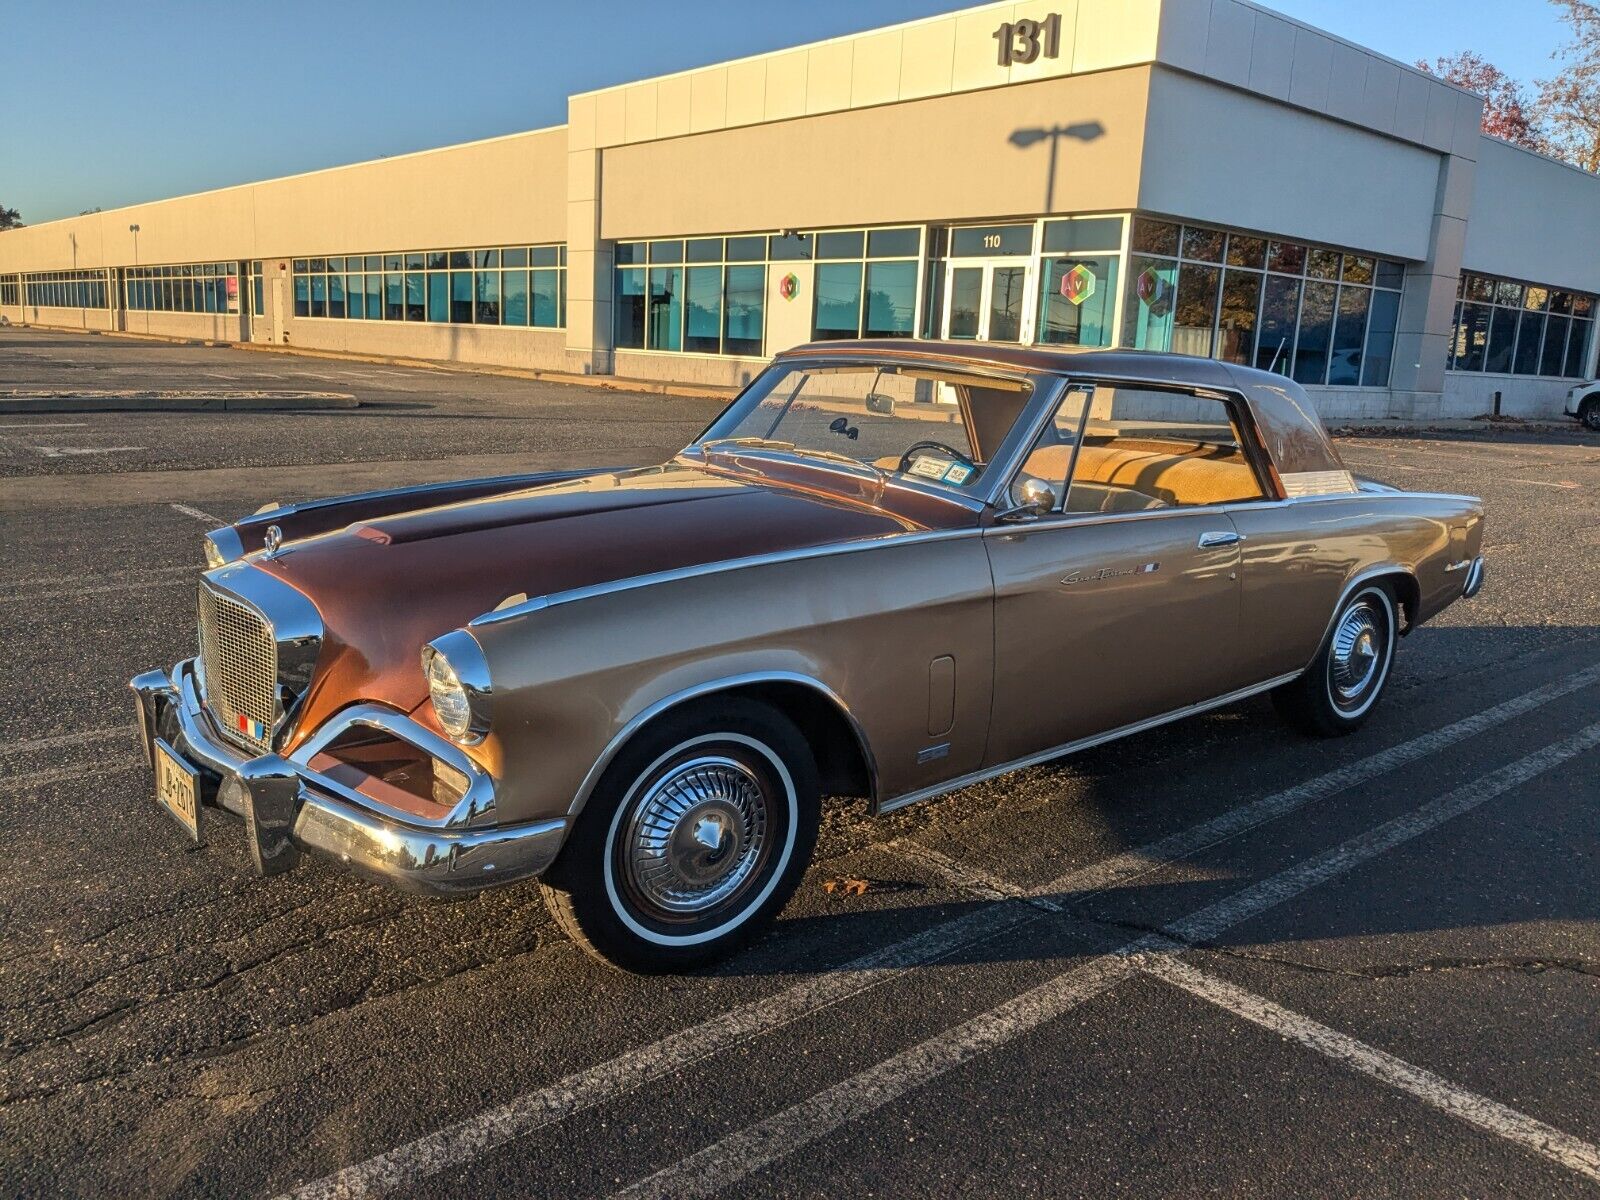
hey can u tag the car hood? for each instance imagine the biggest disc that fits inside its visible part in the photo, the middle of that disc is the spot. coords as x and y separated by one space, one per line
386 586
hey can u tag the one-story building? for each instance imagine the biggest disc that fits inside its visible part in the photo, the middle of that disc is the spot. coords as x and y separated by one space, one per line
1203 176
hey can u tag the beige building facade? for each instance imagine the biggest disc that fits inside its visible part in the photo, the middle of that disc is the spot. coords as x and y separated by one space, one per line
1200 176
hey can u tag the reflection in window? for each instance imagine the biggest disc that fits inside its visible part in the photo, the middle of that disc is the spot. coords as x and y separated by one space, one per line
1280 309
666 308
744 302
1236 323
1077 302
629 331
703 310
838 307
1316 333
891 306
1506 326
441 286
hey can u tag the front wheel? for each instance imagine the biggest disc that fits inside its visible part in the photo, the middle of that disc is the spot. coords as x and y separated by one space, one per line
696 836
1340 688
1590 414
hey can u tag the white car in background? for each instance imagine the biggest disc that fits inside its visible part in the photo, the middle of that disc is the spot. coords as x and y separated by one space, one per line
1583 402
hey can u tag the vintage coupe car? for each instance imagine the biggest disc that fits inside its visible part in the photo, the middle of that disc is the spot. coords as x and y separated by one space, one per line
887 570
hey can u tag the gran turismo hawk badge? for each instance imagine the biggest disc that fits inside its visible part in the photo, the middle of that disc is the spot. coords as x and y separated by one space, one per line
273 540
1103 573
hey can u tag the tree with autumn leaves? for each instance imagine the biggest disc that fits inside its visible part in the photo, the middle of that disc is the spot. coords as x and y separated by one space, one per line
1562 117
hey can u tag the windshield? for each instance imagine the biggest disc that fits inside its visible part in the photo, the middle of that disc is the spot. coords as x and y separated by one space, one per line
925 423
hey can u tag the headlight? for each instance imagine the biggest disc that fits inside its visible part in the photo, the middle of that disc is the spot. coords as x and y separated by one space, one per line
458 682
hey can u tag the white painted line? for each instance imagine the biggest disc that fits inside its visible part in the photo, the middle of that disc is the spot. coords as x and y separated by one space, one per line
39 779
457 1144
137 572
460 1143
1489 1115
199 514
77 451
748 1150
10 749
969 878
1564 484
65 593
1119 868
46 425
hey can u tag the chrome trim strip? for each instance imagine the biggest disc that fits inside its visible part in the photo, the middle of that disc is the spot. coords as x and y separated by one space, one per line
292 620
1358 580
711 687
424 489
1474 581
536 603
1177 714
461 650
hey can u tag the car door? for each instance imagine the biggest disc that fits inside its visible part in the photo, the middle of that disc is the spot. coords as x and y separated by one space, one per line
1121 604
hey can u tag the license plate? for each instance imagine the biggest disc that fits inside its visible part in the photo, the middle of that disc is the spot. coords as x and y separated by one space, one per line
178 789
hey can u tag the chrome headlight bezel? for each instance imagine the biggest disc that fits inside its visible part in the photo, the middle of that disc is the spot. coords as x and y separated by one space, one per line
458 686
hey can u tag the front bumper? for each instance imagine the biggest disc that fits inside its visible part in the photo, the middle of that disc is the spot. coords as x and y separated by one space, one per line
288 807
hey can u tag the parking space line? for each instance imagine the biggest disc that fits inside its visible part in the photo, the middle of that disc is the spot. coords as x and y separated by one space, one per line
762 1143
459 1143
137 585
1488 1115
88 736
199 514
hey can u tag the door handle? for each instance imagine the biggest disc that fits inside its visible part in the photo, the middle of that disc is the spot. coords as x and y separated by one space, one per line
1219 537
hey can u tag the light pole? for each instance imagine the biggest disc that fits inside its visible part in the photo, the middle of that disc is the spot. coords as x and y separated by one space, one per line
133 229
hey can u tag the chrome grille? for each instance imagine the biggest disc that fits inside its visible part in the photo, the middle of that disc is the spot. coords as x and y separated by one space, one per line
239 658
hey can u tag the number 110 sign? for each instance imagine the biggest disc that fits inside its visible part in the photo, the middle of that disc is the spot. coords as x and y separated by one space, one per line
1025 41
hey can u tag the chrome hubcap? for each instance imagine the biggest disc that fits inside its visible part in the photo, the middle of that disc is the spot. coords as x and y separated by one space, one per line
696 835
1357 649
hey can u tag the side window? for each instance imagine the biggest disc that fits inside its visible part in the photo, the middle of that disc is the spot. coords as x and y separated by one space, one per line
1146 448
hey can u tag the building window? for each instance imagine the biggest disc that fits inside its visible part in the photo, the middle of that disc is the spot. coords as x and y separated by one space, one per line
64 289
1078 281
1507 327
184 287
1321 316
10 289
708 295
485 286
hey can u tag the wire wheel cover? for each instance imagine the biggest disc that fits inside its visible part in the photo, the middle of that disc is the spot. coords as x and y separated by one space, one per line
696 836
1357 653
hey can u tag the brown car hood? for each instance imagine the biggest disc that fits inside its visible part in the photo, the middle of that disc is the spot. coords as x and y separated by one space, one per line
387 586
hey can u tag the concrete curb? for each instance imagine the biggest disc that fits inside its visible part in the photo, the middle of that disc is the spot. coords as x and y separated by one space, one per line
20 401
614 383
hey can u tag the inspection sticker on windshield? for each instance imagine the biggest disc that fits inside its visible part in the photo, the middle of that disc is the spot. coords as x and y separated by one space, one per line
958 474
931 468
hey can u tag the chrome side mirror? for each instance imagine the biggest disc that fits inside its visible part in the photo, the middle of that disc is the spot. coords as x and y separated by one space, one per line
1030 497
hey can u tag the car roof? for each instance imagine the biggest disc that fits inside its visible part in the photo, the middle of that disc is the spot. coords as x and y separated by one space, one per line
1151 365
1284 414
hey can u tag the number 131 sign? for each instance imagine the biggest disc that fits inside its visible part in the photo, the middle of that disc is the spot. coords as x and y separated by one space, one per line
1025 41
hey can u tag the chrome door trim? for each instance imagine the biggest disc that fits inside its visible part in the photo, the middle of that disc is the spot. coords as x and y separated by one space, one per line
986 773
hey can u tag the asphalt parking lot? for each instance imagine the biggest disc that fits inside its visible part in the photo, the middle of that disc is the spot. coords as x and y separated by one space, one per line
1216 957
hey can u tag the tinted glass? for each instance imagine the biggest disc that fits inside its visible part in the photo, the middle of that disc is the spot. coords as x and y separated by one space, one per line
891 306
702 333
1280 309
665 318
796 246
985 241
666 252
849 244
1236 324
746 249
744 306
1154 237
704 250
1203 244
1316 333
1349 335
546 307
630 305
838 301
1075 306
893 243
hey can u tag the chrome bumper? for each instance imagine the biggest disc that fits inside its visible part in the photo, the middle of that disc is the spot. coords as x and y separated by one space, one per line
288 807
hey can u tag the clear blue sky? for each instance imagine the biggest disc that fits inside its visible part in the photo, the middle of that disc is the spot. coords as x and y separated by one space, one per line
112 103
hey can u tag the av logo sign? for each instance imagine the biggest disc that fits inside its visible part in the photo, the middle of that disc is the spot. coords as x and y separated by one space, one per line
1078 284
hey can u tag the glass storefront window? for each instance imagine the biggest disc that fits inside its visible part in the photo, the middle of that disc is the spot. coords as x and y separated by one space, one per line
1236 320
1280 313
703 310
666 308
1077 301
547 298
514 297
891 307
1349 336
1382 319
1316 332
744 309
1512 327
629 330
838 301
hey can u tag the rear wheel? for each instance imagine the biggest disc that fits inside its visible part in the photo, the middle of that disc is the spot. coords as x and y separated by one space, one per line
696 836
1343 684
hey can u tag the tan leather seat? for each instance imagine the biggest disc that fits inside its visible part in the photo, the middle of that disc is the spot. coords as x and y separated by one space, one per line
1171 472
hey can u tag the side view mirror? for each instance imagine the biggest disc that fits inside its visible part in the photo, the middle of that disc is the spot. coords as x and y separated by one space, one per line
1030 497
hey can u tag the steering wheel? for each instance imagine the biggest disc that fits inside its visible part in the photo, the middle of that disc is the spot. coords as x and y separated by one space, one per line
905 459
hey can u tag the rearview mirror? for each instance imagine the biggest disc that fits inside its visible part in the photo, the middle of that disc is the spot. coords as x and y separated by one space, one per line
877 402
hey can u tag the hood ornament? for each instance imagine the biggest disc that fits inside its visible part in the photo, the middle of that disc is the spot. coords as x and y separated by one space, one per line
273 539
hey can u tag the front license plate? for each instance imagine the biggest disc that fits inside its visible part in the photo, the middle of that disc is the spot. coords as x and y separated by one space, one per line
178 789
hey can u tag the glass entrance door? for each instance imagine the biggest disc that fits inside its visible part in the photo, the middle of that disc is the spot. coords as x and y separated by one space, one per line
988 301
